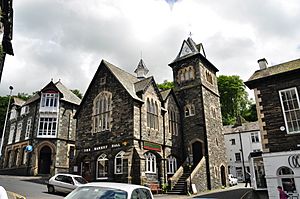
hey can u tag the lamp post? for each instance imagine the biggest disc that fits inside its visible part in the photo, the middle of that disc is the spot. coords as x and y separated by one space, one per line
4 127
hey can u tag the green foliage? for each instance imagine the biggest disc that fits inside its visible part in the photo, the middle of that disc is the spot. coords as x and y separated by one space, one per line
166 85
165 187
234 100
77 93
24 96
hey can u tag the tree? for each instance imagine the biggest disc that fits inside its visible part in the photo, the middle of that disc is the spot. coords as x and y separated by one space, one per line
166 85
234 99
3 107
77 93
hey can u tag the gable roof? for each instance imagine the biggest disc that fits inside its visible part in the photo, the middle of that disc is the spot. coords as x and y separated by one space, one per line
18 101
165 93
67 95
245 127
194 50
142 84
274 70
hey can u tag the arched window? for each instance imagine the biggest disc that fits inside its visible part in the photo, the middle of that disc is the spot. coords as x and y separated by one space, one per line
181 75
150 163
119 162
187 111
102 111
173 121
186 74
152 114
102 167
286 176
17 155
192 76
209 77
172 165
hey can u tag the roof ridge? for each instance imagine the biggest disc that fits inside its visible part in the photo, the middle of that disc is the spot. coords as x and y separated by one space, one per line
106 62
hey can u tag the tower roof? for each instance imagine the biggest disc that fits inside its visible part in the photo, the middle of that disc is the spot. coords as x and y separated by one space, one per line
141 70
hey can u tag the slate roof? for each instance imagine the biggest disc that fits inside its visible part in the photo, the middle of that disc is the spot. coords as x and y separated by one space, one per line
141 65
276 69
126 79
165 94
142 84
68 95
18 101
246 127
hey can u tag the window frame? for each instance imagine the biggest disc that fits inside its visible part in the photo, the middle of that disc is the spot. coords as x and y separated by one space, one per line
28 128
102 111
150 162
11 133
254 137
50 132
120 156
171 165
284 111
238 155
102 157
19 131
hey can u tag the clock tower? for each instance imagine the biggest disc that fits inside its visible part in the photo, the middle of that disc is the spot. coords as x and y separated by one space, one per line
196 89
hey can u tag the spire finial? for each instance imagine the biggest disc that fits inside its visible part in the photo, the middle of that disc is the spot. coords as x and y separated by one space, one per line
141 54
190 34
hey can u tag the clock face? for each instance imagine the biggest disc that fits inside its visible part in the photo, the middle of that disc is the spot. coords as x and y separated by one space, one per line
185 50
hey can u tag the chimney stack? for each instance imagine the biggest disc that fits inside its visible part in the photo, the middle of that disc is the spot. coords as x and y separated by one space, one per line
263 64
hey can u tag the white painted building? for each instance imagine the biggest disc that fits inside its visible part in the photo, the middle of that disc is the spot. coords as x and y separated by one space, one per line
240 141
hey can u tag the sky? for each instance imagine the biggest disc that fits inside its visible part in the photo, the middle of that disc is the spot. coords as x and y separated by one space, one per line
67 39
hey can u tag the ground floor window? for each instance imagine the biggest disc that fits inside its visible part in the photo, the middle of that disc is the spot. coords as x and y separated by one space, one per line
150 163
102 167
239 173
119 162
172 165
286 176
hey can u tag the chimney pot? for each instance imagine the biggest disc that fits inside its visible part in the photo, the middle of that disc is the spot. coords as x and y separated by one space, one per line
263 64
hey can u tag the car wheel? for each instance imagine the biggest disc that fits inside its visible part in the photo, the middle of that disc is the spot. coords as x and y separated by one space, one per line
51 189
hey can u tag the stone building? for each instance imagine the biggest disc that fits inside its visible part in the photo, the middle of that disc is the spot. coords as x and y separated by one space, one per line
130 131
240 141
276 90
40 132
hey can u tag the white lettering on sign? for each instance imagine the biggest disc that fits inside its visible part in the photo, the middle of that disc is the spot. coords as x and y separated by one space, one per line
86 150
100 148
115 145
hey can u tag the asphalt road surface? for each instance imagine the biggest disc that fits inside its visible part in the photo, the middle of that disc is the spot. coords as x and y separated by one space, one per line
28 187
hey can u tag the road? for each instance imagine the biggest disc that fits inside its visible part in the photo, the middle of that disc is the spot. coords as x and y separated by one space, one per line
27 186
32 188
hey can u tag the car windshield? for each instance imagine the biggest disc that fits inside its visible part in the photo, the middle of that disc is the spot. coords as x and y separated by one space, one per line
80 180
91 192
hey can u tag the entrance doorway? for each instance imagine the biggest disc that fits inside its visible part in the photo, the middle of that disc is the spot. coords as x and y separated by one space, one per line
197 153
223 176
45 160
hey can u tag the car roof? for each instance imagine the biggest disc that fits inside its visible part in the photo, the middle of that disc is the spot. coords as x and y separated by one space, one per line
115 185
68 174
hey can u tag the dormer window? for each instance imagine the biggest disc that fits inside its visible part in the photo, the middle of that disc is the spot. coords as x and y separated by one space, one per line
24 110
49 100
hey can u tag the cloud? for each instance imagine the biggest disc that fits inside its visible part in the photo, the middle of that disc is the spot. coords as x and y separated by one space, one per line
66 40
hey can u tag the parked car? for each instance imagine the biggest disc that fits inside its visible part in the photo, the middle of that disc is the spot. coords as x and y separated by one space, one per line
64 183
232 180
109 190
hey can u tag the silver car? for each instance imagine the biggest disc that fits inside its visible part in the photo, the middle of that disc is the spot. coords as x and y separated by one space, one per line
64 183
109 190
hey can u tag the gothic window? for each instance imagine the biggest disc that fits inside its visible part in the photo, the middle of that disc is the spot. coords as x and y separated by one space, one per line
119 162
192 110
152 114
181 76
173 121
186 111
291 109
209 77
150 163
172 165
102 167
186 74
189 110
191 71
102 112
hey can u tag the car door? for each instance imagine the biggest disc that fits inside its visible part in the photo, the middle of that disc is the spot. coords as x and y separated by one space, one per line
68 184
58 183
141 193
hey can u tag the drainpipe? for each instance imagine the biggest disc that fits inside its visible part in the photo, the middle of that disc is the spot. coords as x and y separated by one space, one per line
164 146
141 135
242 151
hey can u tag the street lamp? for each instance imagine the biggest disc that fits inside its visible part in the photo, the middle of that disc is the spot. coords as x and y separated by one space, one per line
4 127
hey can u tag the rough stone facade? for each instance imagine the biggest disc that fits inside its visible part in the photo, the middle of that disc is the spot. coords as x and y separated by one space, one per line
152 129
17 160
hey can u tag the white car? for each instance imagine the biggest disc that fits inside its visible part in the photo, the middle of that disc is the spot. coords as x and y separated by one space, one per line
232 180
64 183
110 190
